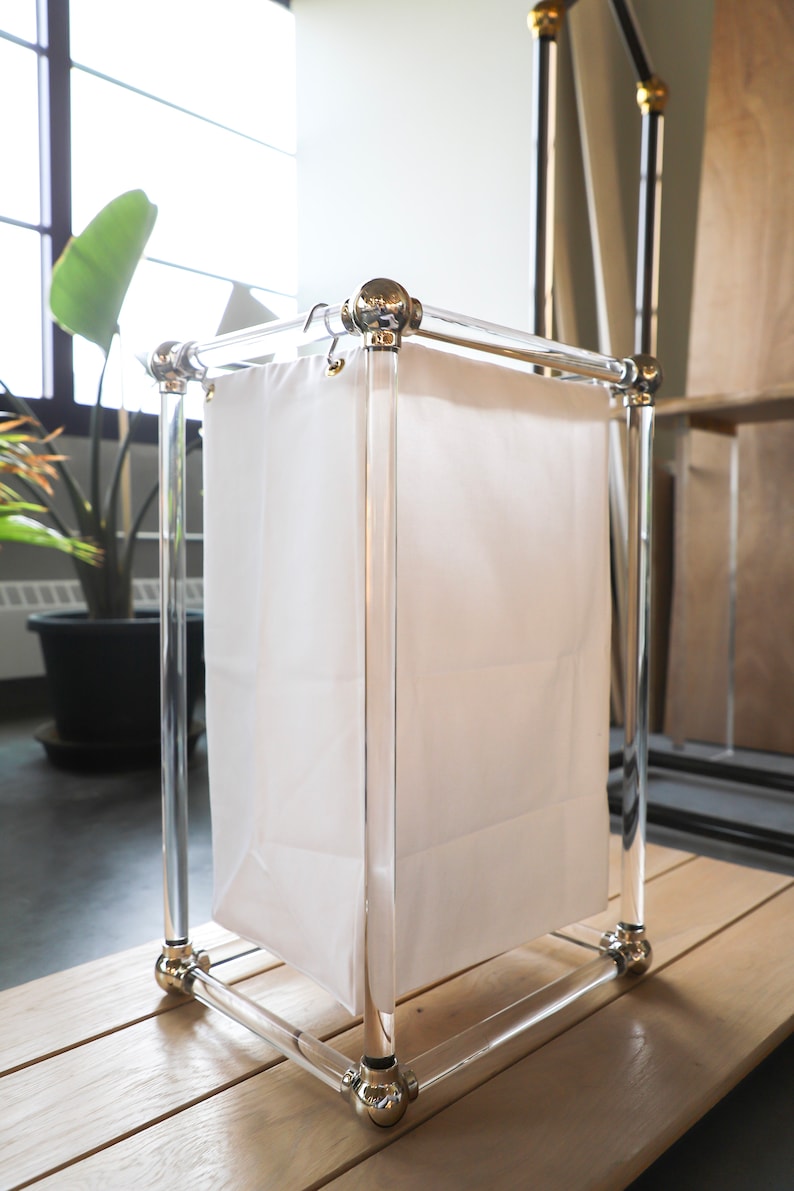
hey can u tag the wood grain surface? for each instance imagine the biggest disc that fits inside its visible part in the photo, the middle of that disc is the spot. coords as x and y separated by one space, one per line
116 1107
742 338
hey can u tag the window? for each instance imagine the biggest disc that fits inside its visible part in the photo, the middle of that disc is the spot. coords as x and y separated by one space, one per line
189 100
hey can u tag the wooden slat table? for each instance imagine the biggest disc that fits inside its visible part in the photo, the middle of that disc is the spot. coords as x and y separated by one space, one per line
108 1084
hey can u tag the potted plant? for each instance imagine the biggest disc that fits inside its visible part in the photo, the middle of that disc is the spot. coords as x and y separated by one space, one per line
103 664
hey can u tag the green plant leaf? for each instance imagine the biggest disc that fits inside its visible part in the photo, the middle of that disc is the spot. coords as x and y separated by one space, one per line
15 527
91 277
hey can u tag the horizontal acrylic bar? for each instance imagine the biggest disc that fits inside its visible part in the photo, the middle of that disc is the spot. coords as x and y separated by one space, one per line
489 337
307 1051
437 325
473 1044
581 934
239 347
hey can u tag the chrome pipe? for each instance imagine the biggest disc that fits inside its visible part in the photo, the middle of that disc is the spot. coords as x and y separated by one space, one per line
380 706
307 1051
173 662
485 1036
640 422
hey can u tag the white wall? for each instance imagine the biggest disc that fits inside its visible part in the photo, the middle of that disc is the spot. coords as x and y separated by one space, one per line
414 154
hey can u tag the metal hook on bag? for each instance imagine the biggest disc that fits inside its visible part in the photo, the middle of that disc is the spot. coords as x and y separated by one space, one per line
333 364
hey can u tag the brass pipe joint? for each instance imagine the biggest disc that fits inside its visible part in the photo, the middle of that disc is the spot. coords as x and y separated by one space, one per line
652 95
546 18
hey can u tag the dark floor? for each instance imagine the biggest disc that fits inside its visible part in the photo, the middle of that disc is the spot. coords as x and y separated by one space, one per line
81 877
81 858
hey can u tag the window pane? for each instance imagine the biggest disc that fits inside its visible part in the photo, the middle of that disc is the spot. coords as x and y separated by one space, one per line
19 132
19 17
163 303
233 63
227 205
20 310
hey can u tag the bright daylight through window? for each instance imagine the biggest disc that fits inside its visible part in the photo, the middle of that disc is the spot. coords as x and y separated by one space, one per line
191 102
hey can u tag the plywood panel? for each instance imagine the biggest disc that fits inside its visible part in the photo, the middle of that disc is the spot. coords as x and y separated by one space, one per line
742 338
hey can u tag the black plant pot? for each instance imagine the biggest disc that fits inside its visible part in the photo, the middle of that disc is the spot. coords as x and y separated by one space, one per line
103 678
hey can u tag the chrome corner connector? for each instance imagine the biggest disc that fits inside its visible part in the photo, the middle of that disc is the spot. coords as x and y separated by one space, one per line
174 364
380 1094
629 948
546 18
382 311
641 379
175 964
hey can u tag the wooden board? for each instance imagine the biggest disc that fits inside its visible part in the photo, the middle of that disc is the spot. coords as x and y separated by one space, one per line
612 1124
742 339
728 410
117 1103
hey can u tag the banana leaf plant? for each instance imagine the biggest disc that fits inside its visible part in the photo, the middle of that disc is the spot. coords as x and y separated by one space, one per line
20 461
89 284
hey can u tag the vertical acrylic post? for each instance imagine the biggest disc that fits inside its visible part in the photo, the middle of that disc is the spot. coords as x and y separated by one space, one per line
380 705
545 21
635 758
651 97
177 950
382 311
173 650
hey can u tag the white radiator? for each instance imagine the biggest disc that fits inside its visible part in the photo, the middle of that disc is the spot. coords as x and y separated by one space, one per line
20 655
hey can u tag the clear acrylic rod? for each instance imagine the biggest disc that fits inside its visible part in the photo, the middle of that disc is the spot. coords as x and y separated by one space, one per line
472 1044
240 347
480 335
638 617
380 704
309 1052
173 664
437 324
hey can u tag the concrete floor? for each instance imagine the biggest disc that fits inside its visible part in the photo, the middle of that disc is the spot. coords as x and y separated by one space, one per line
81 858
81 877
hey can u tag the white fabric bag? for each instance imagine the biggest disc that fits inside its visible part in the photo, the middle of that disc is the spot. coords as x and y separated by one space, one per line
503 660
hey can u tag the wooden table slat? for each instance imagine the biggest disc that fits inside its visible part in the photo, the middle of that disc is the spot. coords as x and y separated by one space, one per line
594 1108
280 1128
